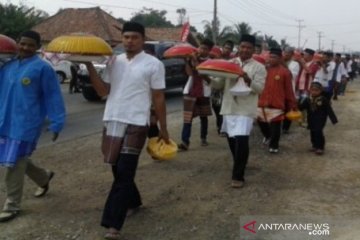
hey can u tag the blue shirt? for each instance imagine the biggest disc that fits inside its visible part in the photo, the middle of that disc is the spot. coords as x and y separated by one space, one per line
29 92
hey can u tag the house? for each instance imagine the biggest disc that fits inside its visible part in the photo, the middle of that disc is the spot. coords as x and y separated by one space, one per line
169 34
81 20
99 23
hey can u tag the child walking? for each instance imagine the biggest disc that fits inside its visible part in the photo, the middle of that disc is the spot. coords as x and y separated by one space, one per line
318 110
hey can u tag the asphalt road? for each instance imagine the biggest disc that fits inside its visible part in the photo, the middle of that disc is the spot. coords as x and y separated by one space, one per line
85 118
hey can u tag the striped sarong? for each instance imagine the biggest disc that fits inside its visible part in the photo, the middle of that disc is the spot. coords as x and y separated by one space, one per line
194 107
122 138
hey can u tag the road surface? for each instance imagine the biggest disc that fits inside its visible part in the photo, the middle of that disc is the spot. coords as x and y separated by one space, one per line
85 118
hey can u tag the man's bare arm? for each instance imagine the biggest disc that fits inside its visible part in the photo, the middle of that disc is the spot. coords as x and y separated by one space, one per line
101 88
160 110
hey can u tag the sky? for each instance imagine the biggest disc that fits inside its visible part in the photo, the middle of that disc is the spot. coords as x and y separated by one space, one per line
335 21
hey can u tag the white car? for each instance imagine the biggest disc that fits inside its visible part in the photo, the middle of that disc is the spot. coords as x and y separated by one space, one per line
63 70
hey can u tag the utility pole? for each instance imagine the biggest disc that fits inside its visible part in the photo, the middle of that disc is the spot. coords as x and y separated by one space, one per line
300 28
320 36
214 26
332 45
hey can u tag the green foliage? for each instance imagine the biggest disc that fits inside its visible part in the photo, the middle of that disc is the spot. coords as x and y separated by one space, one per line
17 19
121 20
269 40
234 33
284 44
182 15
221 34
152 18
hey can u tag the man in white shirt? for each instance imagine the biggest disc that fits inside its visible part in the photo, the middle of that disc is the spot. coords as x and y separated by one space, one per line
294 68
132 82
325 74
239 111
349 63
340 74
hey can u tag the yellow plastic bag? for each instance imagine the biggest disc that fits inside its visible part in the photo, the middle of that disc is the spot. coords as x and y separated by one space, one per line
294 115
159 150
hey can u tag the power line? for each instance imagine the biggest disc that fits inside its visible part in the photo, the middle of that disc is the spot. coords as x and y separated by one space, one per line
274 10
122 7
300 26
246 8
269 10
103 5
320 36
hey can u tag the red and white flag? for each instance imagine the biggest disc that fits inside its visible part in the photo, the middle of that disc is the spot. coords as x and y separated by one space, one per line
185 32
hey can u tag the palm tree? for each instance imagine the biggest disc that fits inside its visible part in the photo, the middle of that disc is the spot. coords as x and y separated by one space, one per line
221 36
238 30
272 43
182 15
284 44
242 28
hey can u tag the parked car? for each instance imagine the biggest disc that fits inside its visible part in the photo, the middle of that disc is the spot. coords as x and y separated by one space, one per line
175 76
87 89
62 69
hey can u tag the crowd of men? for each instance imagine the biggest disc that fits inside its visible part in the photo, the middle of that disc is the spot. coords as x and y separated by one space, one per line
278 81
281 81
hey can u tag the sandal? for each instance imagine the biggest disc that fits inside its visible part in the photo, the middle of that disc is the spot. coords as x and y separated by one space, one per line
237 184
112 235
183 147
8 215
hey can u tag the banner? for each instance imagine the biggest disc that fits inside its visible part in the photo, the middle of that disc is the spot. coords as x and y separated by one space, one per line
185 32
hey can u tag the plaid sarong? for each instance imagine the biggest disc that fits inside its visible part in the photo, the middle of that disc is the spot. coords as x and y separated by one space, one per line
194 107
126 138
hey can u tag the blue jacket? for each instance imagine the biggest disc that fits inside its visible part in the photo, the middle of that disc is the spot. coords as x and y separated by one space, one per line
29 92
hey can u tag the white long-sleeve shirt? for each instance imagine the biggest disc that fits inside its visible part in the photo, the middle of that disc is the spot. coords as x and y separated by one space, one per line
324 77
341 72
294 68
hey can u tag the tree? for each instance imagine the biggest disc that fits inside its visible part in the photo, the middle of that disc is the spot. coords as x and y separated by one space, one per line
121 20
272 43
221 35
267 42
242 28
17 19
182 15
151 18
283 43
193 29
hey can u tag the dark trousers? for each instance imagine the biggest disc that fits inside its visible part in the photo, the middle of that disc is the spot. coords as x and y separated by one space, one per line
317 139
271 131
328 94
286 124
342 87
124 194
239 147
336 90
219 118
186 131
